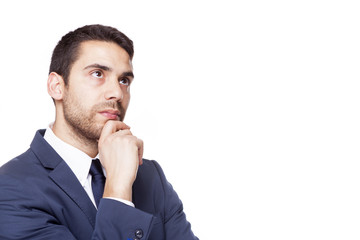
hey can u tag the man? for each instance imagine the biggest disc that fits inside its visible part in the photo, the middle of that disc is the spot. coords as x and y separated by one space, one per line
57 189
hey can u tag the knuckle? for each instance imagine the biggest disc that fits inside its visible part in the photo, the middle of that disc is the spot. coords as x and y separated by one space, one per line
130 140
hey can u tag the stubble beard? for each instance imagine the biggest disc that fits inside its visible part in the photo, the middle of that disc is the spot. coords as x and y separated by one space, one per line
83 122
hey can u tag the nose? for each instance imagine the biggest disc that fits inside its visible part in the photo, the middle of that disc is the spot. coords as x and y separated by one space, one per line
113 91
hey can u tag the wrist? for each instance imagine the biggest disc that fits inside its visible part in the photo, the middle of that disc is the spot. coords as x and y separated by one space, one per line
117 191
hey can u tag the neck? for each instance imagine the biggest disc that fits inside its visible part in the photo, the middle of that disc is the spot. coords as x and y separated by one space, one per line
70 136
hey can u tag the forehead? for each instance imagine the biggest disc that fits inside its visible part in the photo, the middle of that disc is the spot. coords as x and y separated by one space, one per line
101 52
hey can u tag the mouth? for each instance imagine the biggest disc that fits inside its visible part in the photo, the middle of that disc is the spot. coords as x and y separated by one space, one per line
111 114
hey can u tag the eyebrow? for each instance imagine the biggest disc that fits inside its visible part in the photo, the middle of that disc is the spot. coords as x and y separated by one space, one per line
128 74
102 67
106 68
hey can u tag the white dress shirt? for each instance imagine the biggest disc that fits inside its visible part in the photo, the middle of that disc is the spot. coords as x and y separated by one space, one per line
78 161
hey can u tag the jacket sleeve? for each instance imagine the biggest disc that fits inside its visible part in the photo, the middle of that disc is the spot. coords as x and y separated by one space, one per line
176 225
116 220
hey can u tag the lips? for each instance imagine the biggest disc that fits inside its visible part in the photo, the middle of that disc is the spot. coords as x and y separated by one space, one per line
111 114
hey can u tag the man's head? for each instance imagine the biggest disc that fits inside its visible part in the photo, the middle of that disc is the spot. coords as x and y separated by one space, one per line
89 80
66 51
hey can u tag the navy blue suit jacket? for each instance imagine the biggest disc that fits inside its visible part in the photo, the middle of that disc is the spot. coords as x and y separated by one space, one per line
41 198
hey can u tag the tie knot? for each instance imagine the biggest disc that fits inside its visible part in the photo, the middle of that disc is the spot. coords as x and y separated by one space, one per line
96 168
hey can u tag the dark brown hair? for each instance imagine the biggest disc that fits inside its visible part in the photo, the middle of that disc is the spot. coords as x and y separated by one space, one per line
67 50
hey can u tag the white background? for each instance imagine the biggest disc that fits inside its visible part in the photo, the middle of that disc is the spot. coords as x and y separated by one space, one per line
251 107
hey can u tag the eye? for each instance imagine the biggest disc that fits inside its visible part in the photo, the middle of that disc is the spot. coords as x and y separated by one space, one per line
125 81
97 74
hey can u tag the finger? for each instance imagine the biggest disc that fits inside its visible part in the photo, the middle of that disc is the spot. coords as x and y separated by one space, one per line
123 132
112 126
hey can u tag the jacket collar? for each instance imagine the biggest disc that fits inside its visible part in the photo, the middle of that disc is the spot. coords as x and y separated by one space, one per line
44 152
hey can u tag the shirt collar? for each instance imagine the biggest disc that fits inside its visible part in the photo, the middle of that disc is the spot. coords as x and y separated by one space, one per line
78 161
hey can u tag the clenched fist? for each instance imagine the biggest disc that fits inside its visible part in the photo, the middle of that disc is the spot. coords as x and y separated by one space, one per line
120 153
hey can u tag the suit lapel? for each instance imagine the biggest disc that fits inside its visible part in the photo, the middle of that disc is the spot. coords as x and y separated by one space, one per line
67 181
62 175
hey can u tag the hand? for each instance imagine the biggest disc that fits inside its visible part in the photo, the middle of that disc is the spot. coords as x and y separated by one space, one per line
120 154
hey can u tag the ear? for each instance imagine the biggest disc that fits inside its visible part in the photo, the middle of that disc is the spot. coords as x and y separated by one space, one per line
55 86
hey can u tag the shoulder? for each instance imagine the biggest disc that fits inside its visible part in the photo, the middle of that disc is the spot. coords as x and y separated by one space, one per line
20 181
23 175
22 165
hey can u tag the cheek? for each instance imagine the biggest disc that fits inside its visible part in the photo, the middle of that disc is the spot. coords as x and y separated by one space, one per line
84 102
125 102
127 97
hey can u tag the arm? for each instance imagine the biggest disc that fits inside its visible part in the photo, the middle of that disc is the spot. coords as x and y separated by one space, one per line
121 155
122 219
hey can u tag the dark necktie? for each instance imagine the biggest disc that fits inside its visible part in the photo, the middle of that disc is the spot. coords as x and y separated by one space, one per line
98 180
